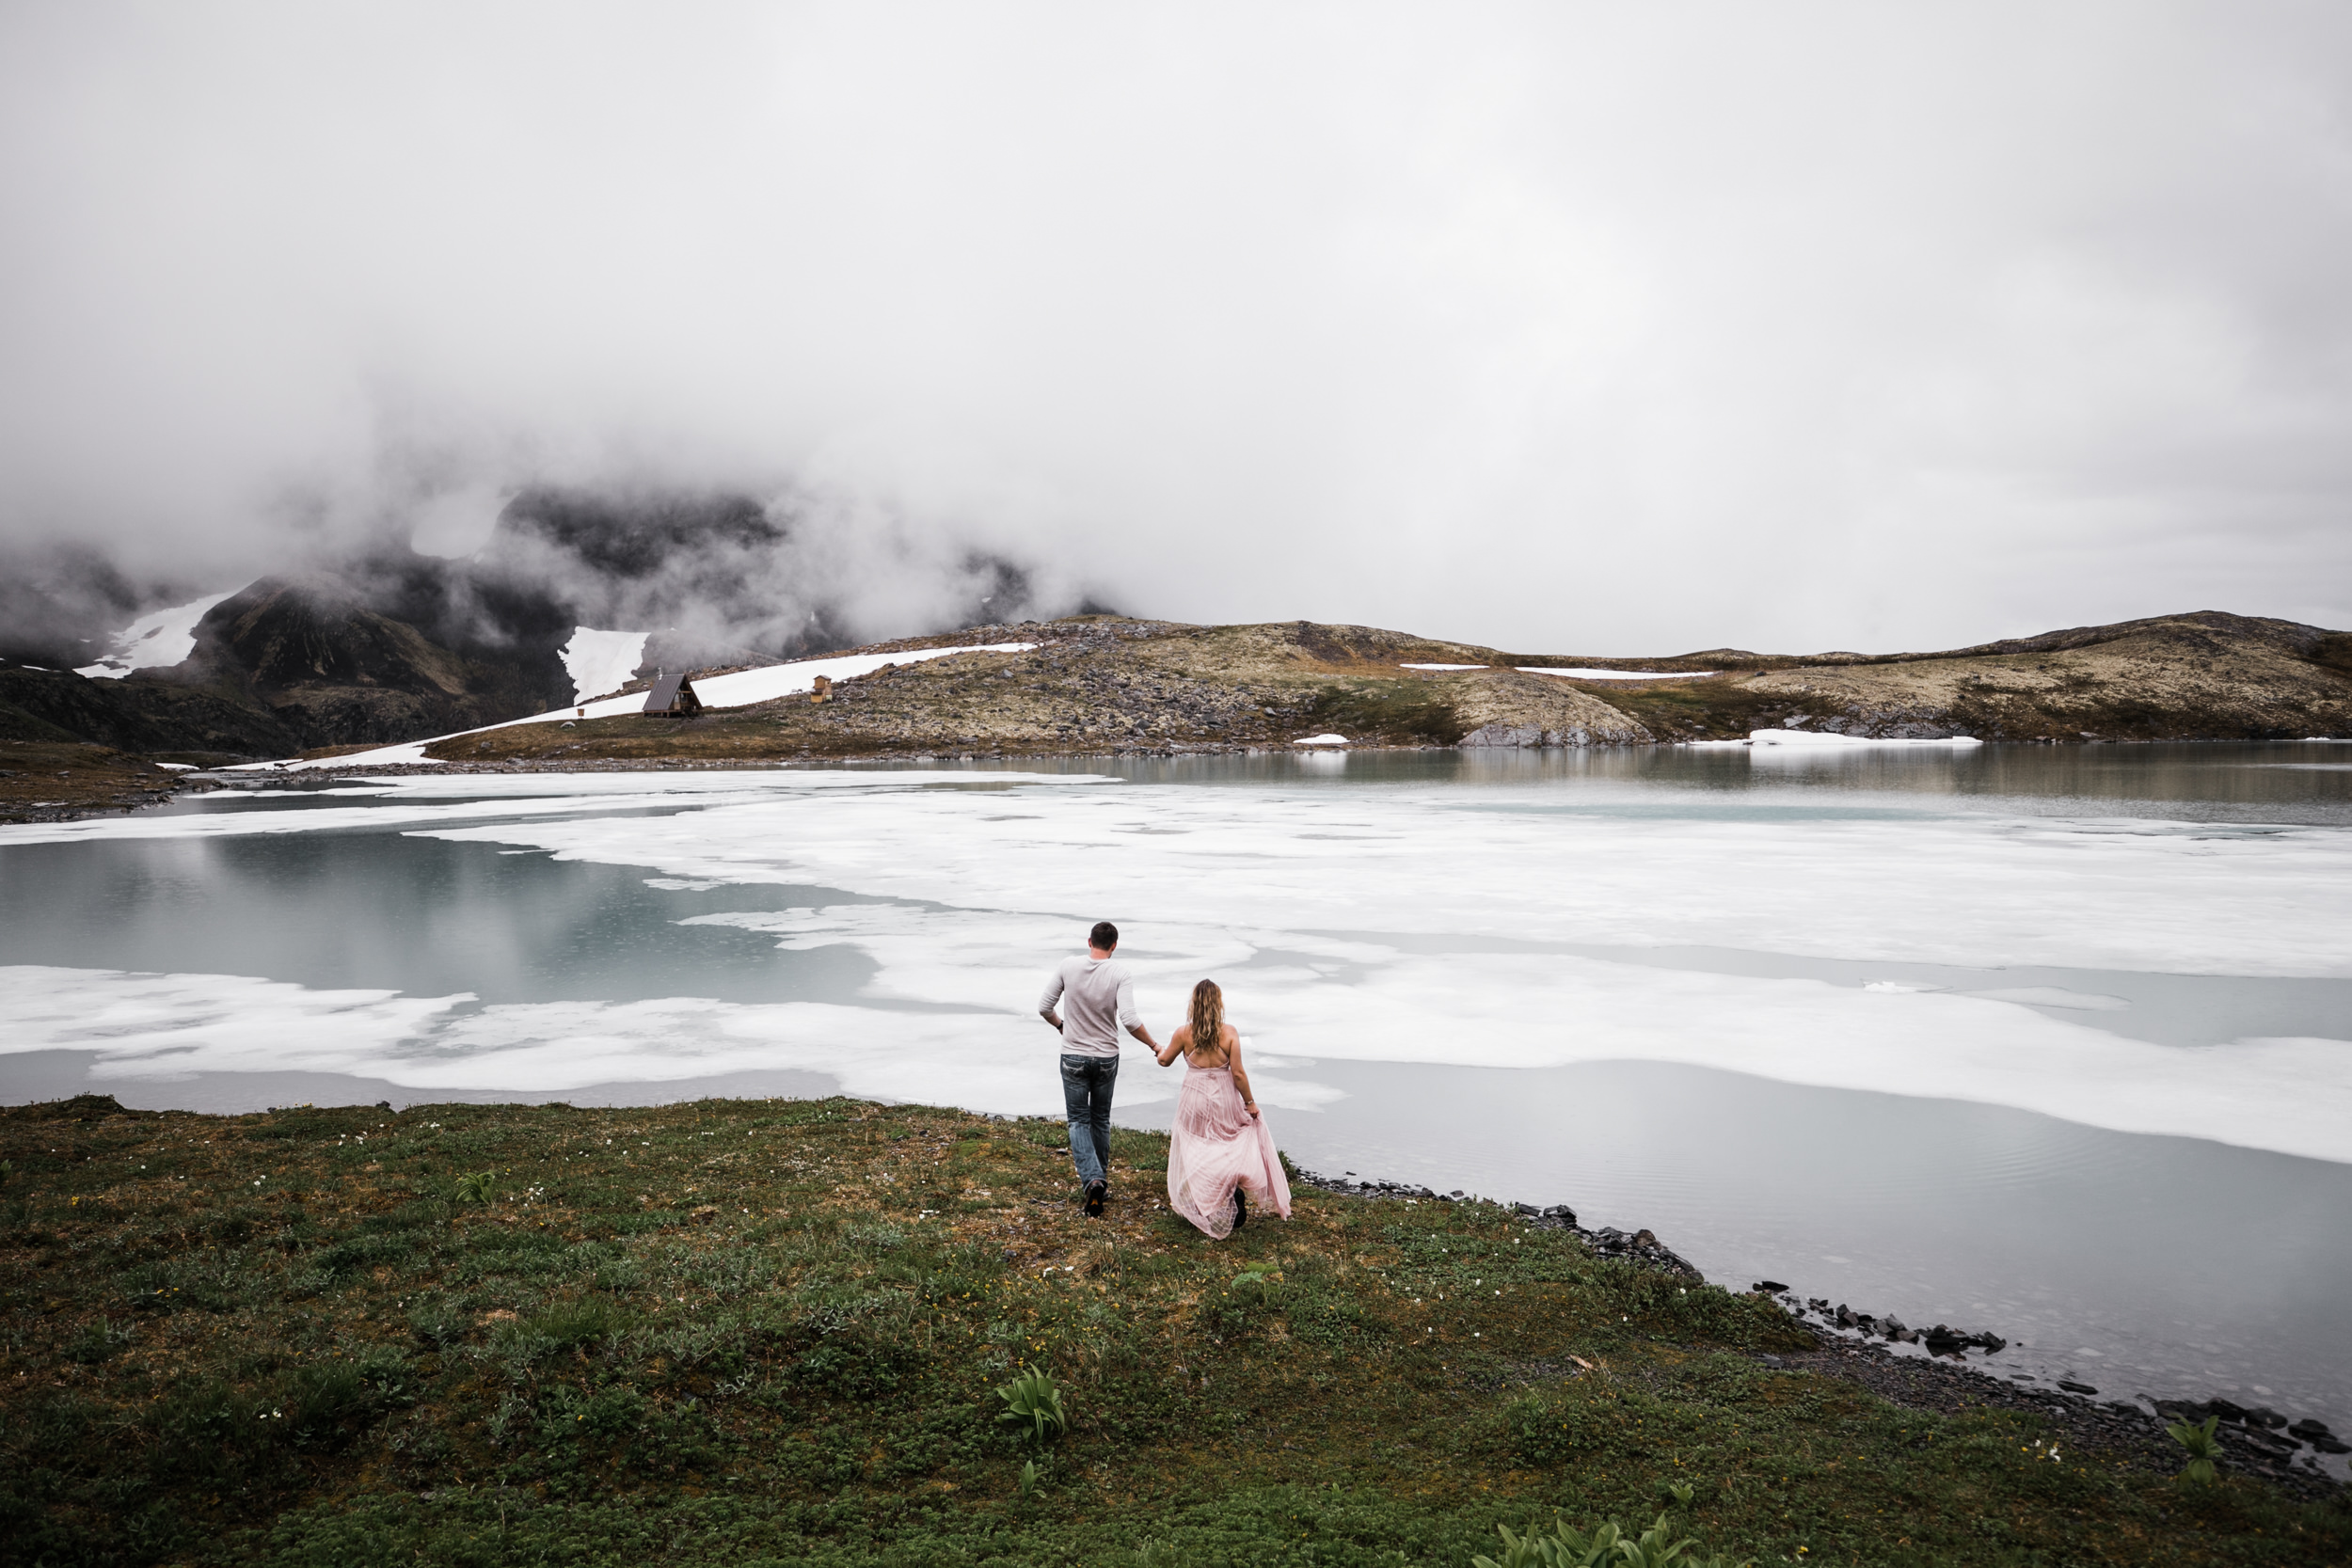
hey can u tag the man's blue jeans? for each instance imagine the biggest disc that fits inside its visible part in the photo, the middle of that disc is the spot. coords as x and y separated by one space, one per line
1087 1083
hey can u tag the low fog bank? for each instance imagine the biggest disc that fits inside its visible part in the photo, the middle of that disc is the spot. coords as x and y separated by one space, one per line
717 577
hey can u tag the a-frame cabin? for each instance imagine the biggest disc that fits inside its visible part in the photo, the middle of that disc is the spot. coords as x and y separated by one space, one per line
673 697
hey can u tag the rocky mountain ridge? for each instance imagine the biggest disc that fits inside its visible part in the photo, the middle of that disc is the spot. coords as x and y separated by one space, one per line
381 644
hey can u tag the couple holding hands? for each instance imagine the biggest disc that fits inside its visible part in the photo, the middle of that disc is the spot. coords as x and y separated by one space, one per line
1219 1147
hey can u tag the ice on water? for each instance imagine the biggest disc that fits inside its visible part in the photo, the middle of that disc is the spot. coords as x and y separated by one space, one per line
1373 925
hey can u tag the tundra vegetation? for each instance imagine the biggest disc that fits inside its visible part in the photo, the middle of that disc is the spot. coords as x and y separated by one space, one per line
1102 684
832 1332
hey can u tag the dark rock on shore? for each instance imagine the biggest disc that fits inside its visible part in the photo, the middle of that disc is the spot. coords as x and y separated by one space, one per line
2125 1432
2259 1441
1640 1246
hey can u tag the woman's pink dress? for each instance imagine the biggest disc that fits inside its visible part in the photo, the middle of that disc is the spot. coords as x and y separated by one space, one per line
1217 1146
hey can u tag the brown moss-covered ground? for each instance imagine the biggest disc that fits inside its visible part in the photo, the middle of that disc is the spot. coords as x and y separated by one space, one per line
772 1331
1102 684
47 781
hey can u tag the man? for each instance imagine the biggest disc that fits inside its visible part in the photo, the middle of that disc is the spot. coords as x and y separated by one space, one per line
1101 998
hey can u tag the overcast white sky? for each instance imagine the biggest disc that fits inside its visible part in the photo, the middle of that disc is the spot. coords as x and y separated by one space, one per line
1566 328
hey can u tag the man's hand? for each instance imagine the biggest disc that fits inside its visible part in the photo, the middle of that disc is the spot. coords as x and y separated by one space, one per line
1145 1035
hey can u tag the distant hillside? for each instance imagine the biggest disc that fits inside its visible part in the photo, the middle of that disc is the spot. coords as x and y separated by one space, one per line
1107 684
296 664
2205 675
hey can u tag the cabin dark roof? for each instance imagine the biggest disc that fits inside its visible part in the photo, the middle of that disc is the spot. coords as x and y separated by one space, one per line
669 692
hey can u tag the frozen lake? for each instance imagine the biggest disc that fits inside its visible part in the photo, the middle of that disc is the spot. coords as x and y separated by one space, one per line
2056 1041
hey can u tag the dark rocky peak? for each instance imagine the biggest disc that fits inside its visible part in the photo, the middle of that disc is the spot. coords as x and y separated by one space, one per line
280 634
634 535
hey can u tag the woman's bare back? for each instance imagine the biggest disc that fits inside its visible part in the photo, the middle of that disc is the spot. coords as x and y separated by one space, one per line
1228 1038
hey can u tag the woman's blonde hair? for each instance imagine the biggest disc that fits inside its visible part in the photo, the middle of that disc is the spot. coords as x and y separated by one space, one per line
1208 1016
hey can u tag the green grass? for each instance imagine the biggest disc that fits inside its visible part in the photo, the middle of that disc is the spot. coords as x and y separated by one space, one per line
749 1332
1719 709
1401 711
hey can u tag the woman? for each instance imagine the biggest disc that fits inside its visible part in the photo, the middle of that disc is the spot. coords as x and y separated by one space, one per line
1221 1147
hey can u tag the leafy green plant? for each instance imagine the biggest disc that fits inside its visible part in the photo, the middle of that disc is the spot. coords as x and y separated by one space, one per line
474 1187
2202 1445
1607 1546
1028 1478
438 1323
97 1341
1032 1398
1681 1492
1563 1547
582 1322
1656 1548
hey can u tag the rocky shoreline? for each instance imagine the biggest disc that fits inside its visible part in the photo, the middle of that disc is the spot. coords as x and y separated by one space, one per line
1854 1347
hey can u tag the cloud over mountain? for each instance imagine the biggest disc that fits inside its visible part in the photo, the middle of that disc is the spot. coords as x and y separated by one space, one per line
1548 325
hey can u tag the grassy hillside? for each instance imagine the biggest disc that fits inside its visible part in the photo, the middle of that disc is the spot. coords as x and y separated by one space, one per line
749 1332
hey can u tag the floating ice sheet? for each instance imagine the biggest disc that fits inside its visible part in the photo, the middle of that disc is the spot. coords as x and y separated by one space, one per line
1283 893
980 1044
468 796
1975 891
1823 738
2055 996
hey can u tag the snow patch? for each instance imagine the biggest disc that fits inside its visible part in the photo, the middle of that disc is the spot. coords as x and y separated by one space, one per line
157 640
1324 739
1441 666
602 661
740 689
1822 739
2055 996
1584 675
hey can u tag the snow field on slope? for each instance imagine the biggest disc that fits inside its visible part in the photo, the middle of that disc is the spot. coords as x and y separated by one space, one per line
602 661
157 640
740 689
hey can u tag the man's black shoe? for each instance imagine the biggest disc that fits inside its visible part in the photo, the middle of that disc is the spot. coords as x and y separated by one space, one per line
1096 1193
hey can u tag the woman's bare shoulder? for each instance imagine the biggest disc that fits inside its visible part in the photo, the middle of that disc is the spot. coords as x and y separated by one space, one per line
1229 1037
